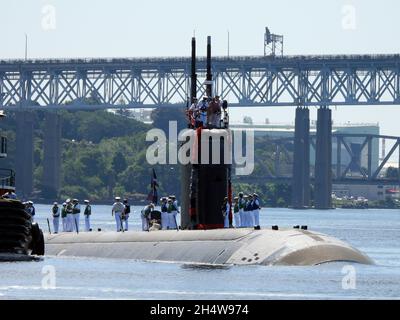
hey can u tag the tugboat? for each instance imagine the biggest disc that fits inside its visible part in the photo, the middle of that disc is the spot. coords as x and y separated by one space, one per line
202 238
20 238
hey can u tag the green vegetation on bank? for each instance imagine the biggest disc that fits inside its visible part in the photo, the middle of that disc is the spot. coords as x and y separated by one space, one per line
104 154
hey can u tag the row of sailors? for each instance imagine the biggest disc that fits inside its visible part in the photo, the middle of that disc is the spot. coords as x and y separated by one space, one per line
206 113
169 211
246 211
69 214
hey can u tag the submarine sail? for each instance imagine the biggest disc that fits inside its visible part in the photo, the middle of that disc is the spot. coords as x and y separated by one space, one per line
206 182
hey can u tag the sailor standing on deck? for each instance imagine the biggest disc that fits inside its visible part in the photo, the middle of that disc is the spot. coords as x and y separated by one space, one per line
256 211
146 216
64 217
225 212
164 213
217 115
56 216
76 210
214 113
242 204
170 211
245 219
117 210
87 213
70 219
249 207
175 212
127 211
203 107
236 212
193 113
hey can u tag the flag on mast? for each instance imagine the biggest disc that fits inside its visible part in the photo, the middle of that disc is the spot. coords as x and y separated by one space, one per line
153 196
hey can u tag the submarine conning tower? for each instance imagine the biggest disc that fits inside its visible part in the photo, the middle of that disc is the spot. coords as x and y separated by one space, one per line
206 181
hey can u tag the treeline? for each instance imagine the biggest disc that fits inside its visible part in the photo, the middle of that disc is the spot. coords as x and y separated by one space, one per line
104 154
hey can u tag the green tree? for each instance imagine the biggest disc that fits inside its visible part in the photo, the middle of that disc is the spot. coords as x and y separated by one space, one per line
119 162
162 116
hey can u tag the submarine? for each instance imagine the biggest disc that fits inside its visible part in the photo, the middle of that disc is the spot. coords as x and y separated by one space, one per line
202 238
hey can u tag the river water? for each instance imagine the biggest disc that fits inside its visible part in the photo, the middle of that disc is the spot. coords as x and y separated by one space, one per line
375 232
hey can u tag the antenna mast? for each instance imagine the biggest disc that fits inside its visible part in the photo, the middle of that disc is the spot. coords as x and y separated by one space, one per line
273 44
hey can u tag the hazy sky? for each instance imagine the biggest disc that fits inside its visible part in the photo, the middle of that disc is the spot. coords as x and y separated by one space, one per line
122 28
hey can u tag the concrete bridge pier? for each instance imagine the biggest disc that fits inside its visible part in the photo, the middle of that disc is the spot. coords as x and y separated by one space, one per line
301 161
24 154
52 156
323 160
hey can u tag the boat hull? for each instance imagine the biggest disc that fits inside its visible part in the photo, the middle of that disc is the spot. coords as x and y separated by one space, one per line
214 247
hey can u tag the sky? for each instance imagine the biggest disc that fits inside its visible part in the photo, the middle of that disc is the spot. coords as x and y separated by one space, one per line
131 28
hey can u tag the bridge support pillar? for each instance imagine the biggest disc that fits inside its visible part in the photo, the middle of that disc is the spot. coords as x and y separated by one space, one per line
301 163
323 160
24 154
52 156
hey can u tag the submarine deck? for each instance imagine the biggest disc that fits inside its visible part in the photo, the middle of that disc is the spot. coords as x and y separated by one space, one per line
222 246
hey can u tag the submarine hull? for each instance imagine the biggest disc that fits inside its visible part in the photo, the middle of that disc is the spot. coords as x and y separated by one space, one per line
212 247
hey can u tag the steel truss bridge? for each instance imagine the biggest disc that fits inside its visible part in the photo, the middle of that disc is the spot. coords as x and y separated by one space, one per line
164 82
343 173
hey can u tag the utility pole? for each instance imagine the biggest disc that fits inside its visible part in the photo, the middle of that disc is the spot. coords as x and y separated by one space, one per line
26 47
228 44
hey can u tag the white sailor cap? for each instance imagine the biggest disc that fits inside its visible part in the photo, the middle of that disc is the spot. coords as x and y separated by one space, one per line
117 198
86 201
55 203
30 202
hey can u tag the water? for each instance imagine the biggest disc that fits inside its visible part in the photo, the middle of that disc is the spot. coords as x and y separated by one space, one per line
375 232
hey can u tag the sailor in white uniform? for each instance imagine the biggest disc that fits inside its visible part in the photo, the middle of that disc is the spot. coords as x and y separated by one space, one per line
117 210
236 212
175 211
76 210
70 219
203 106
225 212
242 204
249 212
56 216
256 211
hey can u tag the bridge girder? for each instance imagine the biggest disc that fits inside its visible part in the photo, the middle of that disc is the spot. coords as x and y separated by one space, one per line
165 82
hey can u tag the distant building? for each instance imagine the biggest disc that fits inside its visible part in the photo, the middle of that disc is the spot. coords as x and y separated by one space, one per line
370 192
